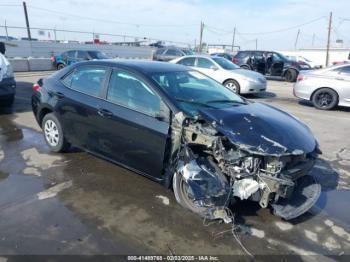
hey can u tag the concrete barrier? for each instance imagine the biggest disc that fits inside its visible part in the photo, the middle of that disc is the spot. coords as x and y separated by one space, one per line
40 64
19 64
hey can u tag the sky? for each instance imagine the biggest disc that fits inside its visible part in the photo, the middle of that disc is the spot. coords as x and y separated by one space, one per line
269 24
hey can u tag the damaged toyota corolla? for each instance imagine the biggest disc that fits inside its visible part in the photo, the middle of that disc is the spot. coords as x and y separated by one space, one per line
183 129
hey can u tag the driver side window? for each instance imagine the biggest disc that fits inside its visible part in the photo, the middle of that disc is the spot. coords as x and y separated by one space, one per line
128 90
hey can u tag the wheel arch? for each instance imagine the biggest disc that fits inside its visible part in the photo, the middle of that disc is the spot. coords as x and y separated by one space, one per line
313 93
42 113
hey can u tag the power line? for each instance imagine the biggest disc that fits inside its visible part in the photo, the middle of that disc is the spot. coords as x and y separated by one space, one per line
106 20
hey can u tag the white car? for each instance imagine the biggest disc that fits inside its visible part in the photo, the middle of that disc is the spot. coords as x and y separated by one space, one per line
239 80
326 88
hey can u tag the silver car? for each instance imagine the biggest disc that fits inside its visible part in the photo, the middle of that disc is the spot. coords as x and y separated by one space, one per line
239 80
326 88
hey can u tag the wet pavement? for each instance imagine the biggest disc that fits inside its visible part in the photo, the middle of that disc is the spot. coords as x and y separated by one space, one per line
75 203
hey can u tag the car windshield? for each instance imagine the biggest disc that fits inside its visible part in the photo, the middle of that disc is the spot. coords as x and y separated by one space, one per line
191 90
225 64
187 51
97 55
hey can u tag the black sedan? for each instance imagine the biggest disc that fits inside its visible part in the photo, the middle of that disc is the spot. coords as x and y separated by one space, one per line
183 129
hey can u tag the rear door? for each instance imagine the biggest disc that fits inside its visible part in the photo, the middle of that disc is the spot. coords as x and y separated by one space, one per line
77 98
133 124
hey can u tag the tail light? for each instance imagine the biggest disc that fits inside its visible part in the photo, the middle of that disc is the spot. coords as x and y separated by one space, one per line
36 87
234 60
53 59
300 78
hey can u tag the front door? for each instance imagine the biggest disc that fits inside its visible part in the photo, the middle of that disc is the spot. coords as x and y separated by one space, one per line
131 129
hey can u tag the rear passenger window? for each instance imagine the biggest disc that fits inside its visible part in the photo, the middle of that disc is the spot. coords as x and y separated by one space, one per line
187 61
86 79
127 90
242 54
205 63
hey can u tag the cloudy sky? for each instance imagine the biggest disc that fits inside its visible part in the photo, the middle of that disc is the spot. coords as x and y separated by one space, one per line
274 23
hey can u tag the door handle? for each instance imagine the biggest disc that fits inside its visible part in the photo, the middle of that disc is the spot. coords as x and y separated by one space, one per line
104 112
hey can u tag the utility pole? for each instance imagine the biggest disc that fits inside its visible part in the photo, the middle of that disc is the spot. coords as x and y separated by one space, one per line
256 44
201 37
313 39
27 20
296 40
329 38
54 31
233 38
7 34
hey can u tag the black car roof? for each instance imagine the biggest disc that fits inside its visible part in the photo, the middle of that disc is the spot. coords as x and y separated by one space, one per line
139 65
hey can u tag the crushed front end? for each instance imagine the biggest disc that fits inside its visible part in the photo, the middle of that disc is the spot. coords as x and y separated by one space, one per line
215 169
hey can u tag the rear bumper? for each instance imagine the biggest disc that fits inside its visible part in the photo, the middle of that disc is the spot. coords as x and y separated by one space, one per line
7 88
302 90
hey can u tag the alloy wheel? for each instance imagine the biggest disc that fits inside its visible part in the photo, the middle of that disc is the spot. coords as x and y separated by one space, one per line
51 133
231 86
324 99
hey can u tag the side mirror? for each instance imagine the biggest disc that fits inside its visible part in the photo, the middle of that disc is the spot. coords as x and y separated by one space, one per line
214 68
164 113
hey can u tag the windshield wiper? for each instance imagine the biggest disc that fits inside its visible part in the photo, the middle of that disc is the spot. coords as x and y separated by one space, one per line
192 102
227 101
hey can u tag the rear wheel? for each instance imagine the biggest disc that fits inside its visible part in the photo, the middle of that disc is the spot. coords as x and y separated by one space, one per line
233 85
9 101
184 195
53 134
325 99
60 66
291 75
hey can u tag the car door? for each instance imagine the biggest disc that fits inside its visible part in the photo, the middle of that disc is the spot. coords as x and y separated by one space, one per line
77 98
258 62
277 65
208 68
134 124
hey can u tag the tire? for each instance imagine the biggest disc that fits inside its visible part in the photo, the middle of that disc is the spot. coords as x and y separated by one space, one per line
9 102
233 85
60 66
245 67
291 75
183 198
325 99
53 134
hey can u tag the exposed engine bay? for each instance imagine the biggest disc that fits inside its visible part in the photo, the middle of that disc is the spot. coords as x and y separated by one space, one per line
211 171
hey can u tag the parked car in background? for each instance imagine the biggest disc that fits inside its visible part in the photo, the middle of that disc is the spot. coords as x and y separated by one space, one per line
270 63
170 53
325 88
7 82
301 60
225 72
224 55
181 128
74 56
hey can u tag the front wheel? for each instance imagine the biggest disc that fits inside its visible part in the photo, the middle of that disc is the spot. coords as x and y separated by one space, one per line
325 99
60 66
233 85
53 134
184 195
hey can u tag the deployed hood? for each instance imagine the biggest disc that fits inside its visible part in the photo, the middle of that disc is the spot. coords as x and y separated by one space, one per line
261 129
